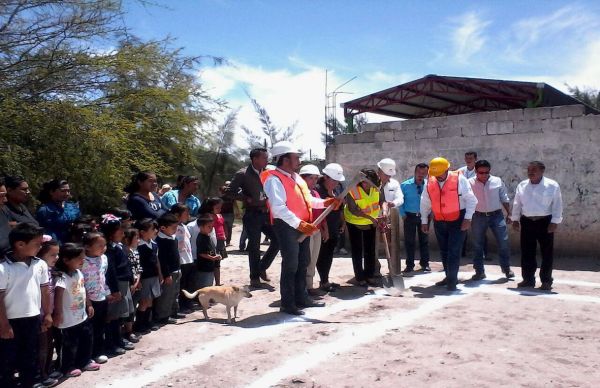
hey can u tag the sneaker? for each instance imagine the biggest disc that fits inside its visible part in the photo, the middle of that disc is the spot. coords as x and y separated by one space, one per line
56 375
178 316
50 382
127 345
74 373
133 338
154 326
101 359
116 352
343 251
91 367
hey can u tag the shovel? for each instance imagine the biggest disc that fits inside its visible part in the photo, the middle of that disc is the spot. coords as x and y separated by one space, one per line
393 284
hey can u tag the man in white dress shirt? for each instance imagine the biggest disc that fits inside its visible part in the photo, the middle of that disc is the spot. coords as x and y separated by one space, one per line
394 198
537 211
468 171
491 198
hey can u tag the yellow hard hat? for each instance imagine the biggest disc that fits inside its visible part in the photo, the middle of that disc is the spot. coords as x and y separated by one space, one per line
438 166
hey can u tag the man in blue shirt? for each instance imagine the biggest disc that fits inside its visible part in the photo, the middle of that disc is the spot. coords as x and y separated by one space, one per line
412 189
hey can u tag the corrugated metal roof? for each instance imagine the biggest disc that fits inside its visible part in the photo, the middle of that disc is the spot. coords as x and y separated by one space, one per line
434 96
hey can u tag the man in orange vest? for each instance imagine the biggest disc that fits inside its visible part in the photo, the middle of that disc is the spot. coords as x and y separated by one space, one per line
291 204
451 200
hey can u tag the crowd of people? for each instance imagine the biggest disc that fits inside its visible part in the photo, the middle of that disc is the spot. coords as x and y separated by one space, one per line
86 289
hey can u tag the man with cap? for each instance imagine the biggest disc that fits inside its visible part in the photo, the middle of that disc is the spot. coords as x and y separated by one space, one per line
393 196
291 204
451 200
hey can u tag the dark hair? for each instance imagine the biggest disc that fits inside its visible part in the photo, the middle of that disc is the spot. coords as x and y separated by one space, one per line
86 219
109 226
167 219
129 234
471 153
371 175
91 238
13 181
123 214
134 185
46 245
24 232
208 206
204 219
1 181
421 165
538 164
49 187
68 252
482 163
178 209
146 224
256 152
78 230
187 179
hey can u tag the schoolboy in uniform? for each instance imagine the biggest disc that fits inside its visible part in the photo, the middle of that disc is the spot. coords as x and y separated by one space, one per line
166 306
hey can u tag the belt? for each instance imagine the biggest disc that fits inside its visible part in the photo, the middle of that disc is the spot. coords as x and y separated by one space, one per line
537 218
489 214
413 214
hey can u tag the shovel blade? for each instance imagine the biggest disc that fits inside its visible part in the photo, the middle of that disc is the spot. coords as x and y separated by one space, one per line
394 284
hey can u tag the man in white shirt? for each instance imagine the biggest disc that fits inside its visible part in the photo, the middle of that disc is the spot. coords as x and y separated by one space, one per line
537 211
491 198
394 198
291 204
450 198
468 171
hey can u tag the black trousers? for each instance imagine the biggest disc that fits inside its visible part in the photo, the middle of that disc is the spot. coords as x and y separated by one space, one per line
532 233
76 349
412 228
20 353
325 258
362 244
99 328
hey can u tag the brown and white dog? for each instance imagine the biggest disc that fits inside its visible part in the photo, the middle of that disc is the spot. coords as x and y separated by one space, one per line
227 295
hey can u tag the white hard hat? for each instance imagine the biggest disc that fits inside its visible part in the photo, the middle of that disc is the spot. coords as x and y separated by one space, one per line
335 172
270 167
284 147
388 166
309 169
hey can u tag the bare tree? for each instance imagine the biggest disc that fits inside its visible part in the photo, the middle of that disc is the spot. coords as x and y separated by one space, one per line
272 134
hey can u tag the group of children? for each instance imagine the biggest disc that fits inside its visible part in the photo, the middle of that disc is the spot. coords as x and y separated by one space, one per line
93 298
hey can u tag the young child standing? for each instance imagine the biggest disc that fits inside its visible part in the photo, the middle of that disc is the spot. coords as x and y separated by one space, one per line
94 269
207 256
213 207
186 259
131 239
72 309
151 276
23 293
50 338
166 306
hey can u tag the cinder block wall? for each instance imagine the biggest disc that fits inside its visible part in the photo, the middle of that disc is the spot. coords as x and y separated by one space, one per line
565 139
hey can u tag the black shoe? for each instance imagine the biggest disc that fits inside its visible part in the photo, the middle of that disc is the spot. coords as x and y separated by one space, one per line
291 311
546 286
478 276
526 283
255 283
310 303
133 338
509 274
425 268
178 316
115 352
451 287
127 345
408 269
442 282
263 276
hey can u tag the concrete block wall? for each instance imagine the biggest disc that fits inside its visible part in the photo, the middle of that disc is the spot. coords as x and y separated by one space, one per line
563 137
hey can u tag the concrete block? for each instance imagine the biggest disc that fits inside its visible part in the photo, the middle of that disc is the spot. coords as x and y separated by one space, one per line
384 135
344 139
568 111
426 133
371 127
499 127
412 124
404 135
466 119
449 132
390 125
508 115
470 130
586 122
525 126
537 113
550 125
365 137
435 122
397 125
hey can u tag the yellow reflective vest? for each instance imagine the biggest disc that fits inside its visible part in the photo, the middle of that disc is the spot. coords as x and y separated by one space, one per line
368 203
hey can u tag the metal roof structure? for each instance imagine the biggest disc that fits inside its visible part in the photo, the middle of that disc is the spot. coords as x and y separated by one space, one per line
435 96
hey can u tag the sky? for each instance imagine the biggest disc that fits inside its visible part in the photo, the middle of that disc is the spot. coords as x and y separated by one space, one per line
279 51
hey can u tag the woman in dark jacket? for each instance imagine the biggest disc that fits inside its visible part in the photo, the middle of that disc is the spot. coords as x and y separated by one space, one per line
143 201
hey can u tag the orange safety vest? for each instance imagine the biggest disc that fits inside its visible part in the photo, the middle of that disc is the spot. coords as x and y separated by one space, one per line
298 198
445 203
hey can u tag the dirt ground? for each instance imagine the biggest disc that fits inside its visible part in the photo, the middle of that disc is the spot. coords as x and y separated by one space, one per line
487 334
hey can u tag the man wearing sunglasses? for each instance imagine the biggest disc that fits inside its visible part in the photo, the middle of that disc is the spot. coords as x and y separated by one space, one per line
491 198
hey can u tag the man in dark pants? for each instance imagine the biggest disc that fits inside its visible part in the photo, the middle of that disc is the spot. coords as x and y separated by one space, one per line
246 186
451 200
537 211
410 211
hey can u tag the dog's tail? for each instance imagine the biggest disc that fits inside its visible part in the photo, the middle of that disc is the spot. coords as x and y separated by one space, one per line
190 296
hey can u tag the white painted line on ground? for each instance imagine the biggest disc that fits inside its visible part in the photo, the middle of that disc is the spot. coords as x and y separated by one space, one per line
350 338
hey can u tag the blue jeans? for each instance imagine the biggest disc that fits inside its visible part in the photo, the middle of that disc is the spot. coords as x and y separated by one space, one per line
450 240
256 222
497 224
295 257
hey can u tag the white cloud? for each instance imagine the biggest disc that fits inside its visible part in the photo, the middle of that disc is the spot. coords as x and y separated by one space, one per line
468 37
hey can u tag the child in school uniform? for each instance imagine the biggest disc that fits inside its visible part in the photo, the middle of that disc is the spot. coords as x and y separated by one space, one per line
71 312
207 256
23 294
186 259
151 276
131 239
166 305
213 206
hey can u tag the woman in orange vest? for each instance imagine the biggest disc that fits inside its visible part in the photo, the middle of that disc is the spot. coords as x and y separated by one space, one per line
363 206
